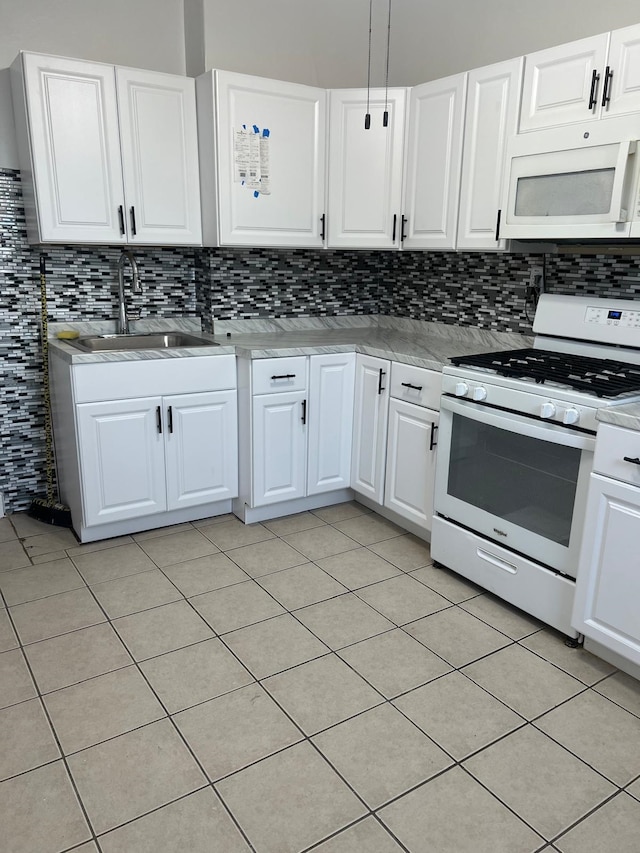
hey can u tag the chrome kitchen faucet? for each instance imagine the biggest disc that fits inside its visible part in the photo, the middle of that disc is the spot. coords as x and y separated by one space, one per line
123 321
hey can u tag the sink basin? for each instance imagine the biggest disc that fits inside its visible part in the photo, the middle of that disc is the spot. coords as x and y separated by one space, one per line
153 340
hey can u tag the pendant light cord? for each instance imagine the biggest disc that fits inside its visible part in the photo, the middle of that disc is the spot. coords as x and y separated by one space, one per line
367 118
385 120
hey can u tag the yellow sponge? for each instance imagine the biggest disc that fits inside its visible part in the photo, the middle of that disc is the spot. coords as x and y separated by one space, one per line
68 335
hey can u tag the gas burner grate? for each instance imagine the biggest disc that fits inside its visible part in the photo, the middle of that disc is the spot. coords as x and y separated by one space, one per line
599 376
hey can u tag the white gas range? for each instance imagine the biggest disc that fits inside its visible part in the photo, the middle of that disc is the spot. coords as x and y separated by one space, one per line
515 450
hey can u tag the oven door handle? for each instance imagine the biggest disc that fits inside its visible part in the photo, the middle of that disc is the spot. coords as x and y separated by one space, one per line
518 424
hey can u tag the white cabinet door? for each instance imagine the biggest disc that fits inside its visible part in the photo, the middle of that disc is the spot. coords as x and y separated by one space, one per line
201 438
286 137
121 449
434 156
365 169
491 117
564 84
411 459
279 447
370 426
624 68
330 419
608 583
74 149
160 157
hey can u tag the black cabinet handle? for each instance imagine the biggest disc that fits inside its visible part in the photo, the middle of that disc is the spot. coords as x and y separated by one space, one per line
395 219
432 441
159 418
170 418
498 224
409 385
285 376
634 461
380 375
323 220
304 412
121 218
606 89
595 78
403 222
132 212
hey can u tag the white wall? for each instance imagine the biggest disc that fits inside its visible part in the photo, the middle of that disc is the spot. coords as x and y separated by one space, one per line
324 42
140 33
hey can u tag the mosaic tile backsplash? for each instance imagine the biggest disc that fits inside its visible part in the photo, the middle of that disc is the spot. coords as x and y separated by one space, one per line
476 289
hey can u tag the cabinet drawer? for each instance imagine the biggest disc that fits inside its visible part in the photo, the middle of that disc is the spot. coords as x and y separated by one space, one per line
273 375
612 445
119 380
416 385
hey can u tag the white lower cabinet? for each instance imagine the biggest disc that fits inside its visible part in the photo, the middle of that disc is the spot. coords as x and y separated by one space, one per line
411 459
395 436
279 447
295 430
147 459
371 407
608 582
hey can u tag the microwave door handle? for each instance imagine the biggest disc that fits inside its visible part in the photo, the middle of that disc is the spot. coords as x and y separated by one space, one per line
617 212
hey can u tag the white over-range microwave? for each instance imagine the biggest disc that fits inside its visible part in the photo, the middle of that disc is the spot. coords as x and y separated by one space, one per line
578 182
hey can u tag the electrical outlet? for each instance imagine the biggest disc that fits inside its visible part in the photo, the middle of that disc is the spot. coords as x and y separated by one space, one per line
1 505
536 279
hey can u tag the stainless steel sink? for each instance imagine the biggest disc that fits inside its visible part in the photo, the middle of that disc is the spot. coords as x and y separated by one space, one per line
153 340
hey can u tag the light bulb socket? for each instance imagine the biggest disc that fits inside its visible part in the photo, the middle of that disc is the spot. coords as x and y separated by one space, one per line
385 118
367 121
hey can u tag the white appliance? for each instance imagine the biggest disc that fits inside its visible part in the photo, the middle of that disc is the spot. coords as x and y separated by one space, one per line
515 451
578 182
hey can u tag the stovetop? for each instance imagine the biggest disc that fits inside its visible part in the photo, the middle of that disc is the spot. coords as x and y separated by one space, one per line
603 378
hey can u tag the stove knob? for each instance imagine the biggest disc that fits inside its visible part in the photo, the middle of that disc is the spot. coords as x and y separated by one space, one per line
547 410
461 389
571 416
479 393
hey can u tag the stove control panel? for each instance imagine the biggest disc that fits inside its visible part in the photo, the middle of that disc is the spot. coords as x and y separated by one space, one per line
613 317
554 406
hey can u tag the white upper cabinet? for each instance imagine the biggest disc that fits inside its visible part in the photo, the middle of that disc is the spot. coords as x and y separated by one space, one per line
433 160
365 169
262 161
582 81
69 149
159 156
107 155
491 116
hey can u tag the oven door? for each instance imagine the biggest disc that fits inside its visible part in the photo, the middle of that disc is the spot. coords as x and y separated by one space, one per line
517 481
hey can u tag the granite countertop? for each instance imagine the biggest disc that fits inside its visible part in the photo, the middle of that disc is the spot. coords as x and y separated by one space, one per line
421 343
627 415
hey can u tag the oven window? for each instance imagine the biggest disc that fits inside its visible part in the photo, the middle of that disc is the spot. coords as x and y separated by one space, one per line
525 481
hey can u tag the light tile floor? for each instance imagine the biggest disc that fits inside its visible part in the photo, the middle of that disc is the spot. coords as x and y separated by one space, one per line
313 682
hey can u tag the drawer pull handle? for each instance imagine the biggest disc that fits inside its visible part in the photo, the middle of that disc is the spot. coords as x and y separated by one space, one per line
121 218
496 561
634 461
159 419
409 385
304 412
381 373
133 221
285 376
170 418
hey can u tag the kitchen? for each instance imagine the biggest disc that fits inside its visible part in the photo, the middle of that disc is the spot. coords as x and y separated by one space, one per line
230 283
